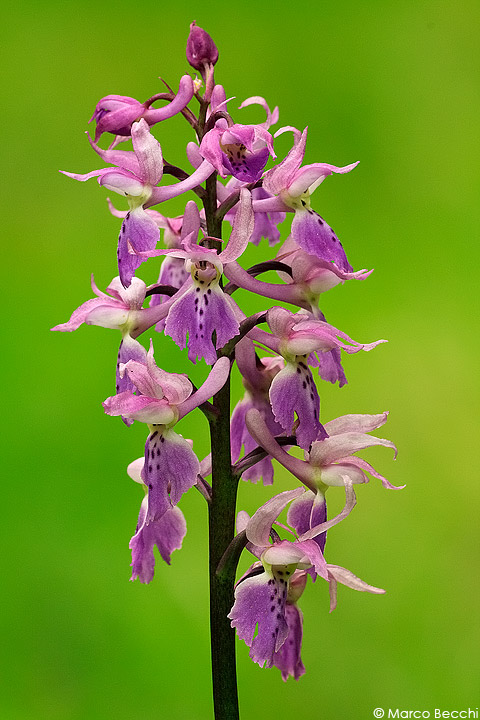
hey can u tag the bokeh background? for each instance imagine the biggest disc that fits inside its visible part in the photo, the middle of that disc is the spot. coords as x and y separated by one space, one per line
393 84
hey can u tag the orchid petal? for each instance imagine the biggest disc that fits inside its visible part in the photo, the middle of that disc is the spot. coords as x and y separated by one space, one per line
288 659
254 607
141 232
317 238
216 379
139 407
350 502
171 468
260 524
148 153
124 159
356 423
242 229
309 177
366 467
279 177
167 534
337 447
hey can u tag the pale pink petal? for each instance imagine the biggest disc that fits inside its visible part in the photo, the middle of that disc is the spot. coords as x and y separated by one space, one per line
279 177
350 502
139 407
242 228
356 423
260 524
312 175
148 153
337 447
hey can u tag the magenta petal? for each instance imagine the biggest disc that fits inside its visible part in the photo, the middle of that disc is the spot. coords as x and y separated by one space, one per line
142 233
260 601
330 367
314 236
356 423
288 659
199 313
167 534
179 102
293 391
171 468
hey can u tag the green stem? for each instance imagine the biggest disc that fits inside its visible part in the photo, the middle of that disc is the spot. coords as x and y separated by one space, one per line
221 513
221 534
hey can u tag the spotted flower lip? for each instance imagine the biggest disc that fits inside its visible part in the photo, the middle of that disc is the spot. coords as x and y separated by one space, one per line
167 533
238 150
261 599
293 184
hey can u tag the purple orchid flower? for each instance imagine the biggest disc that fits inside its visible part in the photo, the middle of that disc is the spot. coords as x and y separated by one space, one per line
204 308
238 150
136 175
166 533
257 378
261 596
331 460
266 596
293 185
116 113
293 390
171 467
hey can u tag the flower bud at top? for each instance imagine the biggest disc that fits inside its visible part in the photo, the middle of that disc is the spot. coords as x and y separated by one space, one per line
201 50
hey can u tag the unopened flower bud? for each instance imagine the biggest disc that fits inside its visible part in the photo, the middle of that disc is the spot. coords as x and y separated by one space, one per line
201 50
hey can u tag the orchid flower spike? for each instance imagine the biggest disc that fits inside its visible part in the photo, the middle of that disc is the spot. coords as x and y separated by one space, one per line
294 186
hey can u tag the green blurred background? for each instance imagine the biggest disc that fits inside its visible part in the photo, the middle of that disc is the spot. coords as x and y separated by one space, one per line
393 84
